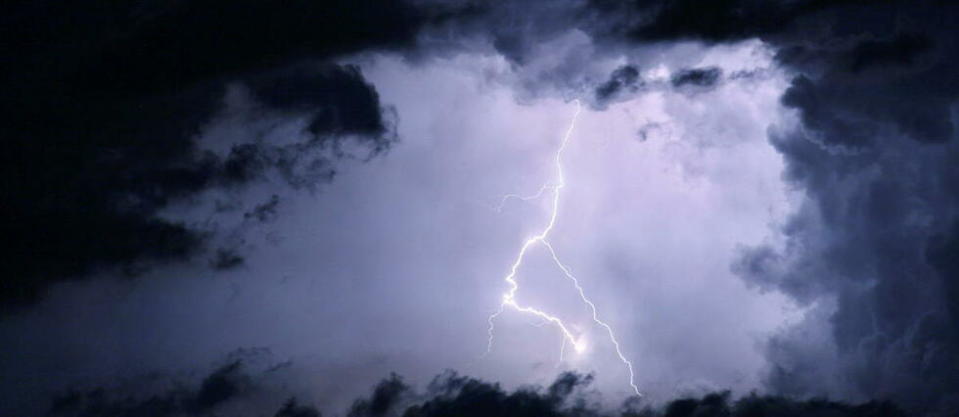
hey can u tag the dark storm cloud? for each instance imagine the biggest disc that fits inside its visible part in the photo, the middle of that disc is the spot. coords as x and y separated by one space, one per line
714 21
623 80
696 77
85 187
903 50
875 87
350 107
226 259
103 105
136 48
224 384
387 397
448 394
292 409
264 212
876 156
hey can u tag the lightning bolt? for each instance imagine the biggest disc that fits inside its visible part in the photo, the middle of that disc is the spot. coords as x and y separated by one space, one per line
509 297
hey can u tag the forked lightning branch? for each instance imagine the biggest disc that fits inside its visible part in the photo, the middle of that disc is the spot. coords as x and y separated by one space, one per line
510 300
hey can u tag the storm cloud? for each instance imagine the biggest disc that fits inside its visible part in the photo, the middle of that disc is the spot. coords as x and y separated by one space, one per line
119 119
874 153
874 89
101 127
623 80
696 77
230 388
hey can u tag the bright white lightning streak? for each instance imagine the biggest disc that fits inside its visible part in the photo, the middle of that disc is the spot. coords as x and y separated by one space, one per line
509 298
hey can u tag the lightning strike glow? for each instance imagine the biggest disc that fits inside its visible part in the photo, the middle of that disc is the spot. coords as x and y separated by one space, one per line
509 298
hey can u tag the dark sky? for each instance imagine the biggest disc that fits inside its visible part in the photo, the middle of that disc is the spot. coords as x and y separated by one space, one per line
259 208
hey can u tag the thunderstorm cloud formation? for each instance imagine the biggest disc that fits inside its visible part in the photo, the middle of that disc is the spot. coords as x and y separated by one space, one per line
308 208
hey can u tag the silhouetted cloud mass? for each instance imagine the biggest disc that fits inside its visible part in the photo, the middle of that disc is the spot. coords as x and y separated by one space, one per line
623 79
449 394
101 126
696 77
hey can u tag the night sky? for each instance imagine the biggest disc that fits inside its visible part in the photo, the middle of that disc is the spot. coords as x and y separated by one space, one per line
419 208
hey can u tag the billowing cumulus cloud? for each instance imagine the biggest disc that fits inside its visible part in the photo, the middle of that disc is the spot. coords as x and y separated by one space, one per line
873 152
